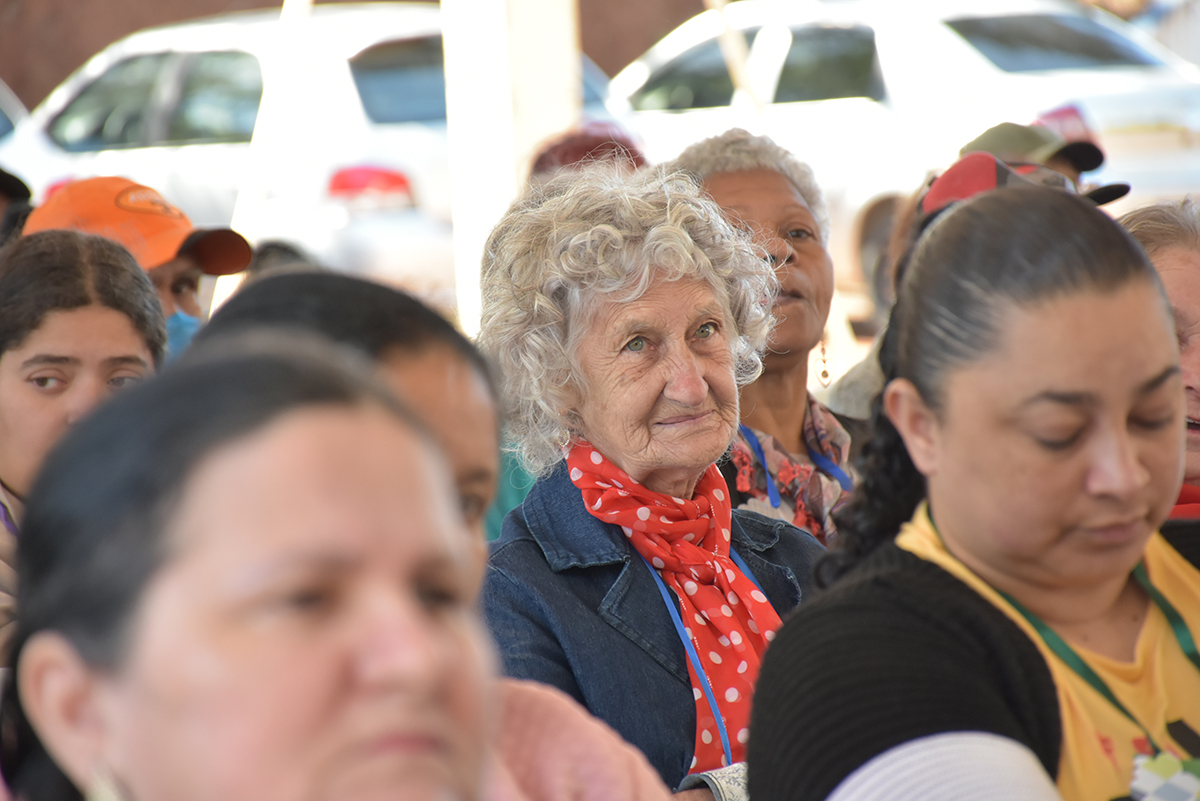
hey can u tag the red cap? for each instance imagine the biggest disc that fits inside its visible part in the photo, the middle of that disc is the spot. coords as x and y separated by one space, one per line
142 220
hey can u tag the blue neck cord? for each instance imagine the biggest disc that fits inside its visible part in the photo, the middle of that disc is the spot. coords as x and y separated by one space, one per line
693 657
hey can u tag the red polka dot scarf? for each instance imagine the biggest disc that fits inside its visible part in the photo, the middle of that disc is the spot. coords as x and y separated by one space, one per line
726 616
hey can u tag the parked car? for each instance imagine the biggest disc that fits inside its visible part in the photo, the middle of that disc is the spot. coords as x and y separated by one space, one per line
364 184
12 110
874 94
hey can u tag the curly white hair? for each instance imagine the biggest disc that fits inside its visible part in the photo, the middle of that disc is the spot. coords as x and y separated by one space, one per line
738 149
589 238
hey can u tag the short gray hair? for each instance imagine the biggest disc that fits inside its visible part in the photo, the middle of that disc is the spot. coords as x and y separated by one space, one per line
737 150
1164 226
591 237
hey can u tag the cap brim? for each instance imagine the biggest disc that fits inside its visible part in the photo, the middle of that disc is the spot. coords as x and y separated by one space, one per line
220 251
1107 193
1084 156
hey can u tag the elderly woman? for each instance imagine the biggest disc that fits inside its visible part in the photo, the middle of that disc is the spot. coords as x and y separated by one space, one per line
790 458
623 313
1003 620
1170 234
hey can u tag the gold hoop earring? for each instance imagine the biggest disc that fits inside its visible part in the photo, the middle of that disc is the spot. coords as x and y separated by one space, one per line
823 376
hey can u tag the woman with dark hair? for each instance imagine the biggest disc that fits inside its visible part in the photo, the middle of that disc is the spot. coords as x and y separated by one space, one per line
79 320
418 353
247 579
542 739
1001 619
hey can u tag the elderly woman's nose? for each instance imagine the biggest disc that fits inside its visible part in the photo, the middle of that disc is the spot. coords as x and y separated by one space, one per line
779 250
398 642
685 379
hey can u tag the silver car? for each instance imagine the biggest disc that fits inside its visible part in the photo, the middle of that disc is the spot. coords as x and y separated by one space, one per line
876 93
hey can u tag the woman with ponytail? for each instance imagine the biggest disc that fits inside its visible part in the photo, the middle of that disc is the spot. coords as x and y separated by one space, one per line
1001 619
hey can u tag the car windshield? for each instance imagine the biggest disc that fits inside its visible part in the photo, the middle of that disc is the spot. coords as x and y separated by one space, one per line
403 81
1032 42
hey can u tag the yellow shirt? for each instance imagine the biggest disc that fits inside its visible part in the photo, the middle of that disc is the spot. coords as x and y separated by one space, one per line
1161 687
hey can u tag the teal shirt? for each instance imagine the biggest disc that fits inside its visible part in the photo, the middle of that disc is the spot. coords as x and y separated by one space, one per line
514 484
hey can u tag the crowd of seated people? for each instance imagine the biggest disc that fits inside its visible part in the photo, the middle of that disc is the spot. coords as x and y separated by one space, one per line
248 558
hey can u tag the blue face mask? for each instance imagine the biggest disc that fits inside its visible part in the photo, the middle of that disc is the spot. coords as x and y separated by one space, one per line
180 330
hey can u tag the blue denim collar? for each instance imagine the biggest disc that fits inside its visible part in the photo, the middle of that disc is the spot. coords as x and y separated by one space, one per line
571 537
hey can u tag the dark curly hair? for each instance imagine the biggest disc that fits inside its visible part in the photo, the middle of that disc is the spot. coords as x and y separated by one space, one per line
1009 247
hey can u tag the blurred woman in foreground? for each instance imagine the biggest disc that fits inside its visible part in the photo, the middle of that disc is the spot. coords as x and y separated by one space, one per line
550 746
1003 620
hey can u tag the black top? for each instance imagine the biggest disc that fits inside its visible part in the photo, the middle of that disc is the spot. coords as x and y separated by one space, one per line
897 650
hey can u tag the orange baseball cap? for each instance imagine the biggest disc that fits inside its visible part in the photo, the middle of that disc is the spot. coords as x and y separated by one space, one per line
143 221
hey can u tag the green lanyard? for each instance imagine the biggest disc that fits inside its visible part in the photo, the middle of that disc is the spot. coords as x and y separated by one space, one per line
1067 654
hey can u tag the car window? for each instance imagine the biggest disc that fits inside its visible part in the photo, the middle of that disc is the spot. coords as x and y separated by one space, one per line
110 111
218 101
402 81
1028 42
827 61
697 78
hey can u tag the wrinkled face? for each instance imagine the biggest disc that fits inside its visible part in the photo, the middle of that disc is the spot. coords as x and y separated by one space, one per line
1057 455
177 283
660 398
769 206
48 382
454 400
313 635
1179 269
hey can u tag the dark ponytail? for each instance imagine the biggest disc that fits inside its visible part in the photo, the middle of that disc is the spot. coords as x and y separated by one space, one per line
1015 246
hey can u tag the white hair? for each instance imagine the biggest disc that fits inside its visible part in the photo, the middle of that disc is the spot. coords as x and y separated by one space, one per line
591 237
737 149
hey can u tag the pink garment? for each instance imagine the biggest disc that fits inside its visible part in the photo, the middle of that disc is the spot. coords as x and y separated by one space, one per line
548 748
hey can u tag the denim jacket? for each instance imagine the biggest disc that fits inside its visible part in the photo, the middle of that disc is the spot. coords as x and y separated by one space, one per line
570 604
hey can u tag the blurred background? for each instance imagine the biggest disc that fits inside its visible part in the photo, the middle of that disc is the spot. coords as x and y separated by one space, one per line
385 138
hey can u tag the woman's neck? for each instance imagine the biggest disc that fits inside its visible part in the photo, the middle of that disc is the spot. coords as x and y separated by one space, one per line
776 403
1105 618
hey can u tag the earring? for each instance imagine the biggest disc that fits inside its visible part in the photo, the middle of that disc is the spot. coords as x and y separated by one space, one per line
823 376
103 787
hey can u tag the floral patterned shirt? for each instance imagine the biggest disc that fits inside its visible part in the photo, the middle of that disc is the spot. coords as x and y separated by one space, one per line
808 495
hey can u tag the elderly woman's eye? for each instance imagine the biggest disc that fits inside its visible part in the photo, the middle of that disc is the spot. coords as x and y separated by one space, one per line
636 344
800 233
707 330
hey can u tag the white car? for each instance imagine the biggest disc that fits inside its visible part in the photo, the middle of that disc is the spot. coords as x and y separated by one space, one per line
356 172
875 93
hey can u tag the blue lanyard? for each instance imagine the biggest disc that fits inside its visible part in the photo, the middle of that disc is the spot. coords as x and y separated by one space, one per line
826 465
756 446
693 657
